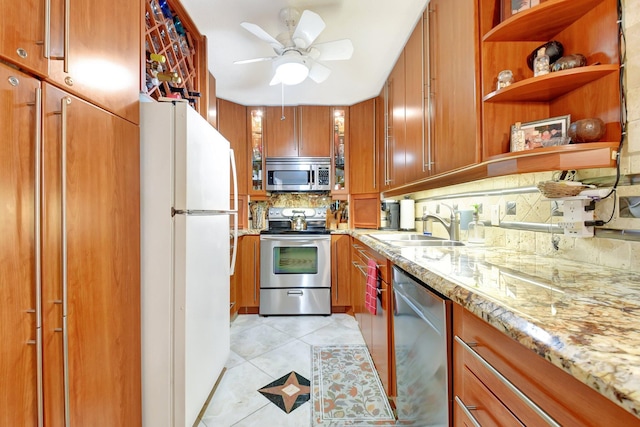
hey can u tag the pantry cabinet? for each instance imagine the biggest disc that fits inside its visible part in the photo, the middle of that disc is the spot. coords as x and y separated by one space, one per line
489 367
71 325
90 264
20 318
304 131
232 124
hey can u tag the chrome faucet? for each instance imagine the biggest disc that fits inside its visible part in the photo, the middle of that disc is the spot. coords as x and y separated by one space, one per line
452 227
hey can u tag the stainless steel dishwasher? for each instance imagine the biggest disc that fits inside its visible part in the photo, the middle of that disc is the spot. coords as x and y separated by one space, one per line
422 342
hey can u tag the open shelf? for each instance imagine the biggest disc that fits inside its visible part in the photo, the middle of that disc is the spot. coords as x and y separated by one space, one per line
565 157
550 86
542 22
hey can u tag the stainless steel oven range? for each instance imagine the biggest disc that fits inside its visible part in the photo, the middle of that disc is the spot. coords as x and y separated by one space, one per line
295 264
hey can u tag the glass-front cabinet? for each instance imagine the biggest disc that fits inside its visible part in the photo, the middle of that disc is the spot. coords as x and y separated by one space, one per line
256 137
340 152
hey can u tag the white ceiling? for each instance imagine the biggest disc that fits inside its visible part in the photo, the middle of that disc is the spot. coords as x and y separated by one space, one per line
378 30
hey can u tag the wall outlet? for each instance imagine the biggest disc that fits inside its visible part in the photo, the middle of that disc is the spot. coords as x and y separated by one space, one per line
495 214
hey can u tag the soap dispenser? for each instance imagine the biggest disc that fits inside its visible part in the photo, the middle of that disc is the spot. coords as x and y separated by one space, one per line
476 228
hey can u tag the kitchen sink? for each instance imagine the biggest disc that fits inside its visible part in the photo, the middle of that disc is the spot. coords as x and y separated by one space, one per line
412 239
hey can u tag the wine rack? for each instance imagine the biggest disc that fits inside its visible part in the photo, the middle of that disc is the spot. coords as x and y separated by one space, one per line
167 34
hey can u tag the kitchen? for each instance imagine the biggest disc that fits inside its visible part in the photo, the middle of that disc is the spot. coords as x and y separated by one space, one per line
478 184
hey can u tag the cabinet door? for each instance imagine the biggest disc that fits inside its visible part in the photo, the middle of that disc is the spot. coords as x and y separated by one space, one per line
415 150
362 172
98 58
91 256
232 124
281 132
454 65
19 264
340 271
315 131
396 124
380 331
249 274
22 34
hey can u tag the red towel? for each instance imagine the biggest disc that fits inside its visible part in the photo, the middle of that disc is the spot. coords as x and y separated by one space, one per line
371 295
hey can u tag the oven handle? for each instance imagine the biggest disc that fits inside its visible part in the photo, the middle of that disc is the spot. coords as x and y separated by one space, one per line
297 240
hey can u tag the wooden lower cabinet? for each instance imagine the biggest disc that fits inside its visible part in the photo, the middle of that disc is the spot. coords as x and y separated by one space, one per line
90 264
340 273
249 274
376 329
557 394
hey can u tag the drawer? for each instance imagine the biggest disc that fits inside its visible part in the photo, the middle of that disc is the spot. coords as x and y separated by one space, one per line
477 402
295 301
361 254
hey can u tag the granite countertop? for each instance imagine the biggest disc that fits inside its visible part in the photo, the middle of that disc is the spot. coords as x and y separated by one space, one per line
583 318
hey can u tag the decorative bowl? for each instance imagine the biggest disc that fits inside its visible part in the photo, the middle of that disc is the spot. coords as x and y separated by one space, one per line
586 130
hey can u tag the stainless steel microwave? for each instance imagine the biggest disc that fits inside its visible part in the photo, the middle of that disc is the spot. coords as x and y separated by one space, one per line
298 173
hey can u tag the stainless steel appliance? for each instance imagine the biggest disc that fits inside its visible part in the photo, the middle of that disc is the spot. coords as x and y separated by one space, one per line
298 173
422 342
295 265
390 210
185 265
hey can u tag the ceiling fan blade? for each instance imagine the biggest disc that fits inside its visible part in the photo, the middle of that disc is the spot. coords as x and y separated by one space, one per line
334 51
249 61
275 80
308 29
262 35
319 73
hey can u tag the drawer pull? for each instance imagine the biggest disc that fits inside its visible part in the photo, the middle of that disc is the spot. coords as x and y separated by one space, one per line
530 403
294 293
467 411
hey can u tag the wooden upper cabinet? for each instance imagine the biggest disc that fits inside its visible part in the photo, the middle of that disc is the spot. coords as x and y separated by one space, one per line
362 143
99 57
232 124
303 131
315 131
280 132
453 64
396 124
415 153
23 35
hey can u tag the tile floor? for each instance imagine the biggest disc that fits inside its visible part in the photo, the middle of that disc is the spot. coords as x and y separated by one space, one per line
264 349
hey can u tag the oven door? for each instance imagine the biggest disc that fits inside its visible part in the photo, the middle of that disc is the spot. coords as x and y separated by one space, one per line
290 177
295 261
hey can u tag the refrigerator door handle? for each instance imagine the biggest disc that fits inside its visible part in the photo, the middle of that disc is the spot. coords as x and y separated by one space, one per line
232 158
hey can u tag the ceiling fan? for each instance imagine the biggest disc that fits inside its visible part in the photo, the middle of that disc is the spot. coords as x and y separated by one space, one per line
296 56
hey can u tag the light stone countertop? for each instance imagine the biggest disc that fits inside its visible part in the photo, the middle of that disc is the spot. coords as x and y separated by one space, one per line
583 318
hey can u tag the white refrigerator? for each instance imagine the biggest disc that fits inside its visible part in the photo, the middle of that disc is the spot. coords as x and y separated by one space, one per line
185 260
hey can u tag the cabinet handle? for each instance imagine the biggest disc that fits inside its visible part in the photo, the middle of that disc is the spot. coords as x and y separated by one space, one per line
467 411
65 101
427 95
523 397
38 253
47 28
255 271
65 49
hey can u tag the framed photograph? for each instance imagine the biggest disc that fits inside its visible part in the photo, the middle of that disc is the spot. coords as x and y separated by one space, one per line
511 7
541 133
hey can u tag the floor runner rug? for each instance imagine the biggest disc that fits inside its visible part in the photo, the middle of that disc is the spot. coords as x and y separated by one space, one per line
346 390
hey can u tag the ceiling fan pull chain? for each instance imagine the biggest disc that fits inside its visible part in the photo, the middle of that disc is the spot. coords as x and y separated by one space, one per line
282 92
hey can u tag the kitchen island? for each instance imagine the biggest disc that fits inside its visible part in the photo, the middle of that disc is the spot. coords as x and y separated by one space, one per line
580 317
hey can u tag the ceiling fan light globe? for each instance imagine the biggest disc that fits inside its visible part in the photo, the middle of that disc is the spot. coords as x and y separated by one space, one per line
292 73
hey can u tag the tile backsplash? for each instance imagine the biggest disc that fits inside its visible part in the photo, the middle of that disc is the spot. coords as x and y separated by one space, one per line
520 202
